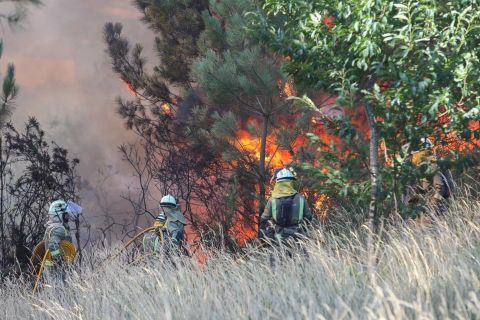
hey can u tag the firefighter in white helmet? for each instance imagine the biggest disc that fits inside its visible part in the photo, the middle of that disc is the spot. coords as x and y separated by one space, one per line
175 224
286 211
57 229
168 236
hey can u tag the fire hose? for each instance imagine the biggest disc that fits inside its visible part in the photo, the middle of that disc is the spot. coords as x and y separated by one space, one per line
132 241
39 275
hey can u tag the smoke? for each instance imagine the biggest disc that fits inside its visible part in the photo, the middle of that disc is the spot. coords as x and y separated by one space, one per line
66 82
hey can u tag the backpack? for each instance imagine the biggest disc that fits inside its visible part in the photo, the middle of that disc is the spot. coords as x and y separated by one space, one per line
447 184
283 213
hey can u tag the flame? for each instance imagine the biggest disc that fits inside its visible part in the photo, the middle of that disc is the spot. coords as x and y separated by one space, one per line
329 21
274 155
129 88
167 109
286 88
321 204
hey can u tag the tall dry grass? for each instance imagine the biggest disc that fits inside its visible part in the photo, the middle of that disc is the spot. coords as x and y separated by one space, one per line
414 272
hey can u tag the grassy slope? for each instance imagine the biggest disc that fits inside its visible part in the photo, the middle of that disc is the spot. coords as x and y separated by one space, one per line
418 272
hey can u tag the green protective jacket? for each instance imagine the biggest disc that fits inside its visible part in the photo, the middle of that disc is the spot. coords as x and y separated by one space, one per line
152 241
56 232
300 211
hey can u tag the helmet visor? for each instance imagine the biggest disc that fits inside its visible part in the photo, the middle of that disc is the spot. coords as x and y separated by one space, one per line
73 208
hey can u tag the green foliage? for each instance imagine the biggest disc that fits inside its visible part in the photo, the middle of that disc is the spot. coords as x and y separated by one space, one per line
410 60
234 69
177 25
242 81
180 153
9 91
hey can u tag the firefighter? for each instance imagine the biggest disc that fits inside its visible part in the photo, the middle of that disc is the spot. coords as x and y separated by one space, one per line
57 229
176 222
169 237
286 212
436 188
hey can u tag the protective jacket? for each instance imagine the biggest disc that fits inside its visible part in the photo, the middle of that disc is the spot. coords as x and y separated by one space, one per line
168 237
152 241
55 232
294 225
175 225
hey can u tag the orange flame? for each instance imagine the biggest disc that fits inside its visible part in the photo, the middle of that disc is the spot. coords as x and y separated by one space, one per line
129 88
167 109
274 155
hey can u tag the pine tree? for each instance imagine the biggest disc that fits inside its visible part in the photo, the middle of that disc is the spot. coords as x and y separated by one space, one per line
242 79
177 25
175 153
193 141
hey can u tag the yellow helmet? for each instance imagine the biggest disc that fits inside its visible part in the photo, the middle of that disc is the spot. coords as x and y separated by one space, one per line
160 221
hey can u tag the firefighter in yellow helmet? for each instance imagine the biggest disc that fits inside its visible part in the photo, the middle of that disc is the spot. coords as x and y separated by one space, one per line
286 211
436 188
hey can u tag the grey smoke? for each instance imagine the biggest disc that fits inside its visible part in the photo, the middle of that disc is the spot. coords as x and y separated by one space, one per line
66 82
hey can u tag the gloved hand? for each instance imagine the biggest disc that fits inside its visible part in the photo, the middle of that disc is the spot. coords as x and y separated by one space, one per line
57 258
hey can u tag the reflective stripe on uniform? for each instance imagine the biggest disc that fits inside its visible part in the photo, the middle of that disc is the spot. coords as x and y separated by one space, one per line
300 213
302 206
156 243
143 244
274 210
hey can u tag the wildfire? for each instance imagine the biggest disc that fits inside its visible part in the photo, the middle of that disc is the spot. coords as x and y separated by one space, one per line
275 157
321 204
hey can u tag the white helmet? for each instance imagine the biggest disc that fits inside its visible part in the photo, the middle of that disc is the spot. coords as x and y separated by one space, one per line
426 143
285 174
57 207
168 201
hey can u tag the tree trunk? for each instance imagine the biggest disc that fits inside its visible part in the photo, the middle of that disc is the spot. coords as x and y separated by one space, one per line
262 168
374 167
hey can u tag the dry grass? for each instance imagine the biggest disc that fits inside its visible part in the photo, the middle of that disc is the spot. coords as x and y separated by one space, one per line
416 272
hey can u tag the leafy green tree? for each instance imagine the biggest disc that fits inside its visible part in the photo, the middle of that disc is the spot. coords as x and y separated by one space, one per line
407 64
